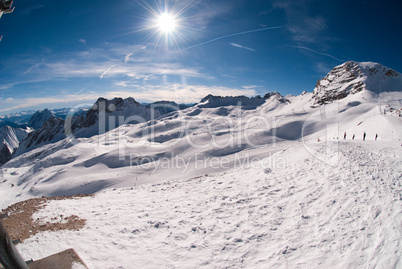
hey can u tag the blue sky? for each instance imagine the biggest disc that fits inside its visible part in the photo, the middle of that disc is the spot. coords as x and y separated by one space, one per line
54 54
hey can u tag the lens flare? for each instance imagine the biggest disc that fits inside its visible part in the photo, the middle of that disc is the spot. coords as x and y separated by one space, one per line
166 23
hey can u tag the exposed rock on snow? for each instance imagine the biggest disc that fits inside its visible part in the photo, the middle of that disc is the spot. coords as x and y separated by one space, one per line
9 140
5 154
247 103
51 131
12 136
353 77
102 117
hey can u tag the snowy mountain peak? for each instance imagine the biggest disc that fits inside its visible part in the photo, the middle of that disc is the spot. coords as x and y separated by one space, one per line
116 103
39 118
353 77
115 107
11 136
9 140
51 131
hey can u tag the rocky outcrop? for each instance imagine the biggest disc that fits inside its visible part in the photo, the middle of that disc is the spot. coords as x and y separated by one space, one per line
212 101
353 77
51 131
9 140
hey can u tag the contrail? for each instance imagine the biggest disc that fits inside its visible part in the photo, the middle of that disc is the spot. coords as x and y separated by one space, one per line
242 47
80 91
320 53
107 70
235 34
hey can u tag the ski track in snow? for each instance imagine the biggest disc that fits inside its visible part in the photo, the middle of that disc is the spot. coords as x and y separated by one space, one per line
308 215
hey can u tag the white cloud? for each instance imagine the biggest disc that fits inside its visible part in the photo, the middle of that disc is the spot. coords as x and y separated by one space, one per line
308 29
304 27
19 103
186 93
249 87
96 63
127 58
172 92
83 41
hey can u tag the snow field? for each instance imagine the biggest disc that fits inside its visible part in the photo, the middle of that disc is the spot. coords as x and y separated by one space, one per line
307 215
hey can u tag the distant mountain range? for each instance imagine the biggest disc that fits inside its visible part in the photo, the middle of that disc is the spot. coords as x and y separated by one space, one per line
44 127
21 119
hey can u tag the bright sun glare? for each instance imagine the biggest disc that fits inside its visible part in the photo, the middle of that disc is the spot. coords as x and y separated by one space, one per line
166 23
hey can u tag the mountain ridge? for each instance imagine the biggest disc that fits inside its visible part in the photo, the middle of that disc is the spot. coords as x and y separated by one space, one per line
353 77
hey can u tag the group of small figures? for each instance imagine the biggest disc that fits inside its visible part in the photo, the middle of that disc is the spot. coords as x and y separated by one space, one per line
364 136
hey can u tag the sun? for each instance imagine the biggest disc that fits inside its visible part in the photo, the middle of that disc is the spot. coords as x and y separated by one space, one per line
166 23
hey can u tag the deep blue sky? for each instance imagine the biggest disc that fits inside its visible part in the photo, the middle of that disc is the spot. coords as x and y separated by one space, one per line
54 54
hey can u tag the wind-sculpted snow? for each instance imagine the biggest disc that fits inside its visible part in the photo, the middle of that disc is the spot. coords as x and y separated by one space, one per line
302 214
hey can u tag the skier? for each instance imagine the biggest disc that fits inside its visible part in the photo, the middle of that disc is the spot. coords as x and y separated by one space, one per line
344 135
353 137
364 136
376 136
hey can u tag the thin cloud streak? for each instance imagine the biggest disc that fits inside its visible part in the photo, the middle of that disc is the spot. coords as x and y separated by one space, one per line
316 52
235 34
107 70
127 58
80 91
242 47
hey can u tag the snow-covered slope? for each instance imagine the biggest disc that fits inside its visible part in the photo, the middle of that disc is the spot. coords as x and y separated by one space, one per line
102 117
12 136
9 140
51 131
194 142
297 213
232 182
39 118
353 77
